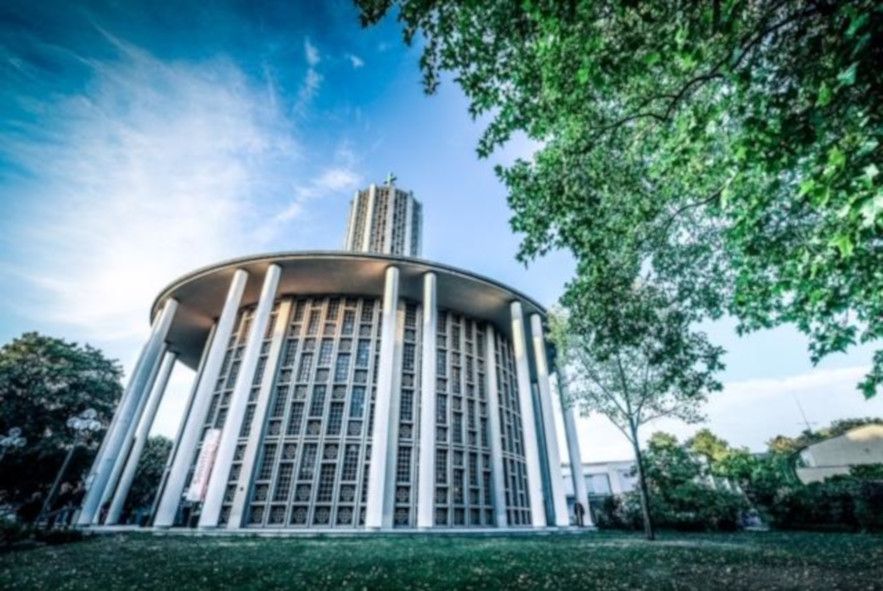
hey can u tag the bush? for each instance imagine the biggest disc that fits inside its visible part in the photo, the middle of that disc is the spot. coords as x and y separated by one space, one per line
15 532
58 536
12 532
696 508
841 503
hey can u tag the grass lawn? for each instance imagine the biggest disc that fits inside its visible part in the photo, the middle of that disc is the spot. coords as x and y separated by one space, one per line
593 560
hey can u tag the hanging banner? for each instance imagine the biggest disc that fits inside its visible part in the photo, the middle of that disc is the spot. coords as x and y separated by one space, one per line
204 463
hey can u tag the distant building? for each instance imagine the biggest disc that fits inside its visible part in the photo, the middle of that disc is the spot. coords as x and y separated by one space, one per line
600 479
835 456
385 219
363 388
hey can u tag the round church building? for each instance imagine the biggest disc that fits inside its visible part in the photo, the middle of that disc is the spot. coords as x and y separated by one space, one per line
359 389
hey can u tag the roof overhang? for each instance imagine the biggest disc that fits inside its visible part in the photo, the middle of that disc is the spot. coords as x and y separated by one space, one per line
201 294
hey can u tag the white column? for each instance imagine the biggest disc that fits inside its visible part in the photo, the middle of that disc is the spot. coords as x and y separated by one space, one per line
390 219
217 484
259 419
351 225
188 407
426 463
140 439
496 430
190 436
580 492
556 480
409 217
528 421
369 219
120 461
382 405
124 422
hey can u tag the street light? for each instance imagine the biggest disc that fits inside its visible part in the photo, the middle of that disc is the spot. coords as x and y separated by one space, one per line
12 440
83 426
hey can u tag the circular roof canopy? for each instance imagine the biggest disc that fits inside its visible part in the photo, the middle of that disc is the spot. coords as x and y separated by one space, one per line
201 294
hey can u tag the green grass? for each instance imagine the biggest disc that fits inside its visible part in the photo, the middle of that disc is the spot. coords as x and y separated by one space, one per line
586 561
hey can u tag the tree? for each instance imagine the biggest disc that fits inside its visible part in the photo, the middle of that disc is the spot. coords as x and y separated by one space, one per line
683 496
43 382
148 474
725 151
668 375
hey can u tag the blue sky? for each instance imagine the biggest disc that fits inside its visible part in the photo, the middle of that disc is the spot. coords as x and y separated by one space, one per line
138 141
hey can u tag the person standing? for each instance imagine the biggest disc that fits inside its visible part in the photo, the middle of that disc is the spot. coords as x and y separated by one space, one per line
580 513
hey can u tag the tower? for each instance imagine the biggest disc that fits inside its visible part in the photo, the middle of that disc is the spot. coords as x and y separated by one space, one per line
385 219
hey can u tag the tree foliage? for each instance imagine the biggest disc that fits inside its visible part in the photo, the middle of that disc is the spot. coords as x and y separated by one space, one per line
43 382
725 151
668 374
149 473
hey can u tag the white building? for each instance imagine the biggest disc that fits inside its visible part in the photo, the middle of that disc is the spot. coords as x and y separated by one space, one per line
837 455
357 389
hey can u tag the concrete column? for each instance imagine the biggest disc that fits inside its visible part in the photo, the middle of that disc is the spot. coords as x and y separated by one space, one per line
259 419
351 225
190 436
556 480
369 219
390 218
120 461
409 218
426 462
383 404
580 492
217 484
528 421
495 429
188 407
140 439
124 422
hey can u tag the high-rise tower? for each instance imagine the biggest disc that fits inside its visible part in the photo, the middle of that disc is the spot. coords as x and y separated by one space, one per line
385 219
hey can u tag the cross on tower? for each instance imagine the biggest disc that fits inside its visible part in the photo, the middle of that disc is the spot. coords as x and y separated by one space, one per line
390 178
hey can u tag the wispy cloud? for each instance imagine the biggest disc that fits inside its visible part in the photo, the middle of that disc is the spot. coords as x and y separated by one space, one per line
312 78
337 179
152 170
311 53
355 60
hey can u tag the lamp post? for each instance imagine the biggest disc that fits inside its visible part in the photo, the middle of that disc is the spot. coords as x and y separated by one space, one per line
13 439
83 425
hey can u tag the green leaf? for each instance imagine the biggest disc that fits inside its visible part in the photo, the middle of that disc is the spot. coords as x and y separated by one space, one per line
855 24
652 58
847 76
582 75
825 95
844 244
836 158
871 210
806 187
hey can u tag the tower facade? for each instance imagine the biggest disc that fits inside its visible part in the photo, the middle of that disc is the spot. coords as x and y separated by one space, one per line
385 219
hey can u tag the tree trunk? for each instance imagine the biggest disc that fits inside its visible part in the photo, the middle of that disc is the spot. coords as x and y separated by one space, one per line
642 487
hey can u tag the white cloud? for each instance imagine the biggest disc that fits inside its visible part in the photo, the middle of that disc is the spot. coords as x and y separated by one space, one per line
355 60
312 79
311 53
750 412
153 170
334 180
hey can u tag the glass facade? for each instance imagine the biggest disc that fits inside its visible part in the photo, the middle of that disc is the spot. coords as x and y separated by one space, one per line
311 462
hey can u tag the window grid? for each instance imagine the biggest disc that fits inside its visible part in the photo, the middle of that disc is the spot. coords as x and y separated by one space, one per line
318 429
405 501
463 496
217 411
514 466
